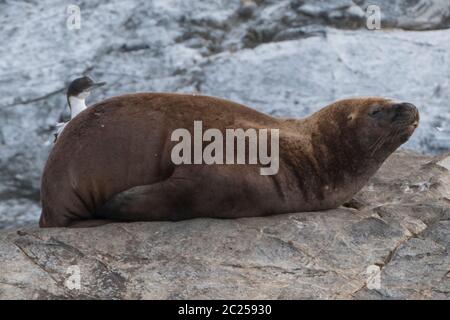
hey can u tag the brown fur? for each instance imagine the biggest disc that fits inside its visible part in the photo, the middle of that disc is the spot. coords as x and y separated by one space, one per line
112 162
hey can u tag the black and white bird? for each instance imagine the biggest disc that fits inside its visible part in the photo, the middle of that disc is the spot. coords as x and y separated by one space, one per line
79 89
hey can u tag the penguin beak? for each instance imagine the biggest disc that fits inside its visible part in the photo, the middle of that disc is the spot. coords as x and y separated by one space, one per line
97 85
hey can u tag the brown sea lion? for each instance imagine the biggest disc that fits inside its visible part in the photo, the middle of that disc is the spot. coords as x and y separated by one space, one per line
113 161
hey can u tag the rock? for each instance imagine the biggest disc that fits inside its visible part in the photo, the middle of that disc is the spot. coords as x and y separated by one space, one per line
443 161
247 9
17 211
323 8
396 245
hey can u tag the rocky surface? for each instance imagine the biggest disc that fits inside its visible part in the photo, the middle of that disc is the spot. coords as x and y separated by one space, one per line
287 58
397 226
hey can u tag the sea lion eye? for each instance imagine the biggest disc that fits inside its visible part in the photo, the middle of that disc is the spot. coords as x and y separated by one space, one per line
375 111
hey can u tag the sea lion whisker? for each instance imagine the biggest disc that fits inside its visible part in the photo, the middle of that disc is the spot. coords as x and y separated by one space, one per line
379 143
396 134
376 141
403 123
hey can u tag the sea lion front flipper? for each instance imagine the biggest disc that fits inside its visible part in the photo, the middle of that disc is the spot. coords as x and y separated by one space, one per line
159 201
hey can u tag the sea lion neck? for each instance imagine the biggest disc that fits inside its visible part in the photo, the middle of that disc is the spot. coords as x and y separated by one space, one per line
335 143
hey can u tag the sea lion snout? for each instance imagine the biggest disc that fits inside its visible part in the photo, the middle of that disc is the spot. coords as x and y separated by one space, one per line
405 113
405 119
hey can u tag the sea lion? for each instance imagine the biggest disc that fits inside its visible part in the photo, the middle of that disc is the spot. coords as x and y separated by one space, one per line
113 161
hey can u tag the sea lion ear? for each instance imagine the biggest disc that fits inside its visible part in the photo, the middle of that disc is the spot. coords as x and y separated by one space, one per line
351 116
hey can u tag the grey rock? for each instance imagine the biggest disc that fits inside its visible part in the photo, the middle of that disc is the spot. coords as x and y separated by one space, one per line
15 212
317 8
401 230
247 9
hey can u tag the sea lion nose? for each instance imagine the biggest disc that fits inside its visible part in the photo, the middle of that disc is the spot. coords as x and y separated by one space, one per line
405 110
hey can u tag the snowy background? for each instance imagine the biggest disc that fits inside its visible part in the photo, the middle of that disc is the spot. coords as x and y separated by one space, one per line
283 57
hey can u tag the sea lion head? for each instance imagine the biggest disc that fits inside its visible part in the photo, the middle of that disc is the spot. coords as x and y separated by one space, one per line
382 124
373 127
